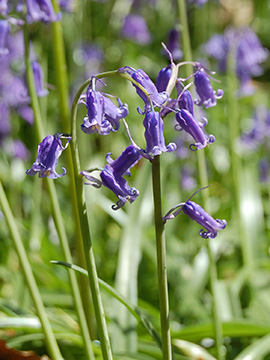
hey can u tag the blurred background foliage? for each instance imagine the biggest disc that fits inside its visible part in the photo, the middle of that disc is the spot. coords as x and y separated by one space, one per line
94 42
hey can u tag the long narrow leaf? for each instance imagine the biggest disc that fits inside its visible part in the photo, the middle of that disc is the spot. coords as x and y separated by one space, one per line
133 309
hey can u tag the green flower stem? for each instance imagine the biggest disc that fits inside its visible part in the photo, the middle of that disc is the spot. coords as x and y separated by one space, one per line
63 101
55 205
52 345
87 242
161 262
203 181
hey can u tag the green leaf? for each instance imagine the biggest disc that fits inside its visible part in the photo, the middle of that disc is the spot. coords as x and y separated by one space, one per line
133 309
236 328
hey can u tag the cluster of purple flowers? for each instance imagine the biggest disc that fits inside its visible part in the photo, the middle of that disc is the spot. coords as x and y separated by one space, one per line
103 116
184 104
244 45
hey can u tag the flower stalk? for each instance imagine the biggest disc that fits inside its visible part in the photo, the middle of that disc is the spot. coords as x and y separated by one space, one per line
87 242
161 262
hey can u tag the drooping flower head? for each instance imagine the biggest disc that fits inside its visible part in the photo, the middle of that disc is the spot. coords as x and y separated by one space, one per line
197 213
103 116
163 78
94 121
154 128
41 10
207 96
49 151
185 101
112 176
186 121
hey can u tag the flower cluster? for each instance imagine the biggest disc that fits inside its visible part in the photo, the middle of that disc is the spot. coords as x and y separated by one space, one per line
103 117
244 45
183 106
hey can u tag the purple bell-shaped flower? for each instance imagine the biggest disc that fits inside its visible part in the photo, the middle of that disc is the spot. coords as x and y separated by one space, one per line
49 150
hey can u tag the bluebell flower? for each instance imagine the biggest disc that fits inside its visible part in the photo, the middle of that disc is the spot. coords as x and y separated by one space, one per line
41 10
129 158
135 28
207 96
38 77
4 31
94 121
163 78
157 98
197 213
49 150
102 115
188 123
112 176
185 101
154 128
